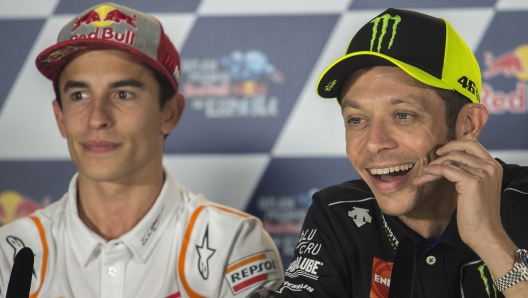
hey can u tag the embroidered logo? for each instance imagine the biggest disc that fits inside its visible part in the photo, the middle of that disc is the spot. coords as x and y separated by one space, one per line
152 228
17 244
251 271
392 239
204 254
330 85
360 216
384 24
487 284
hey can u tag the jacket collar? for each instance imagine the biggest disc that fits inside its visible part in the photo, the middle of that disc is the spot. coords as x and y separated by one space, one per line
140 241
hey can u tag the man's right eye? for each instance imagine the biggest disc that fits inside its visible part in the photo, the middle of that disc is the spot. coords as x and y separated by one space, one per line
354 121
78 95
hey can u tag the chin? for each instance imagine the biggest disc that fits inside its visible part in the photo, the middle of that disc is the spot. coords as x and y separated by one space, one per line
99 173
397 203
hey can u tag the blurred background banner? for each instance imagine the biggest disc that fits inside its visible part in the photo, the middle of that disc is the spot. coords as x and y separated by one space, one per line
254 135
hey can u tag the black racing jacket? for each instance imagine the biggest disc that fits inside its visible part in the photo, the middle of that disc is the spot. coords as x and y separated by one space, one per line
347 247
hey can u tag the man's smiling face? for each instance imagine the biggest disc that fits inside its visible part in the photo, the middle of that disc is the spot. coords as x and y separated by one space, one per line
111 116
394 124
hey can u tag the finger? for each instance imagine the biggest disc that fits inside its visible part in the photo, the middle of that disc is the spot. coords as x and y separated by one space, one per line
463 158
432 173
436 172
427 176
471 146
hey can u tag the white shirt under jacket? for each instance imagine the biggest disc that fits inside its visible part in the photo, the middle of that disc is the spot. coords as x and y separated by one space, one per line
185 246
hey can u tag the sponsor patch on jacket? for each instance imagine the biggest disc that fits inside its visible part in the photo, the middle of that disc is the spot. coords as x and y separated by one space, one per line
381 277
305 267
251 270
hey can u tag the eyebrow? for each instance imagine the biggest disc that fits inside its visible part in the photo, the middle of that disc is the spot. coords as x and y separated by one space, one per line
129 82
74 84
117 84
350 104
416 103
392 102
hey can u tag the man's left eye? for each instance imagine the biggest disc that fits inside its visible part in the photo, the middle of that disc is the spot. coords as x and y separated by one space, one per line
403 116
124 94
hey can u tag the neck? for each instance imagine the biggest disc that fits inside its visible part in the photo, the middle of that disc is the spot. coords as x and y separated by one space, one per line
431 219
111 209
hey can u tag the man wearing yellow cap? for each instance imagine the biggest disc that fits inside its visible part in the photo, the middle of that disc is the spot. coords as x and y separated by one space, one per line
434 215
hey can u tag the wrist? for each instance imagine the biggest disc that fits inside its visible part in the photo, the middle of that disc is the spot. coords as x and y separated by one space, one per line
496 249
518 273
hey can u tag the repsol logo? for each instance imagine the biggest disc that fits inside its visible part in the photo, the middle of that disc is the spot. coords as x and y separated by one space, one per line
265 266
305 264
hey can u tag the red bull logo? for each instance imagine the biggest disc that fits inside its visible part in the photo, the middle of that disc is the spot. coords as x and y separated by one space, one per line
500 102
104 16
13 205
512 64
509 64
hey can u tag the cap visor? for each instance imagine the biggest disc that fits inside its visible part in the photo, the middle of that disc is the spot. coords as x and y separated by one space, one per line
332 79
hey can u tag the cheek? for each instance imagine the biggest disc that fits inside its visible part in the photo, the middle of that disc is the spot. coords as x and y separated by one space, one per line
355 141
148 125
423 144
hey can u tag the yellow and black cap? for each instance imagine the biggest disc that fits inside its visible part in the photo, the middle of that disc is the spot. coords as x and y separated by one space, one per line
425 47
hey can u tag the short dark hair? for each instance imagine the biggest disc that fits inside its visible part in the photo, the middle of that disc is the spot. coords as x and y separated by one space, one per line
166 89
453 102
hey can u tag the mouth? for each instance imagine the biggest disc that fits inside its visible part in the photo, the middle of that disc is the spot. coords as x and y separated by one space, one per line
99 146
390 174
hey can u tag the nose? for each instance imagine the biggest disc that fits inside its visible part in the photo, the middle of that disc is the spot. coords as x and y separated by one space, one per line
101 114
380 137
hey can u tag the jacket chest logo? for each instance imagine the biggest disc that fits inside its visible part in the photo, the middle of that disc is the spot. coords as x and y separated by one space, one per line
360 216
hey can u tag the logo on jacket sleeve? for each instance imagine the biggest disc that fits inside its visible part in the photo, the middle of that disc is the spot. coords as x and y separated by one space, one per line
252 270
17 244
204 254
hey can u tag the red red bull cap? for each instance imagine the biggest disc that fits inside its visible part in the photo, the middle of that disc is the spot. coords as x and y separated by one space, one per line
425 47
113 26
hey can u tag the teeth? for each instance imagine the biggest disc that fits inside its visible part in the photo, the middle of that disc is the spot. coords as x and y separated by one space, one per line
383 171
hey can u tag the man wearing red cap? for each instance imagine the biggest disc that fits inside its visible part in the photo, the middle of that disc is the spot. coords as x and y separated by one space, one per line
435 215
125 228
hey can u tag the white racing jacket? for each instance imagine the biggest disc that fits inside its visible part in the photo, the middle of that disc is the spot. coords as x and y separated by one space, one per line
185 246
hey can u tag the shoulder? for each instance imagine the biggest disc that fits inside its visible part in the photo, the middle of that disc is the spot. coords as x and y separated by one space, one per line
514 203
343 196
30 230
515 178
227 251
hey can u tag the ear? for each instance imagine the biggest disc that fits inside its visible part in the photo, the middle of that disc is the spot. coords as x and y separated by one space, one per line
59 117
172 112
471 120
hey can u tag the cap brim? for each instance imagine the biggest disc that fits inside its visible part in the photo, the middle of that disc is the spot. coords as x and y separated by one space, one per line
332 79
52 60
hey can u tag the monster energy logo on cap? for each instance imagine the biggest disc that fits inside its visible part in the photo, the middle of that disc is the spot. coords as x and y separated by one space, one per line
385 23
